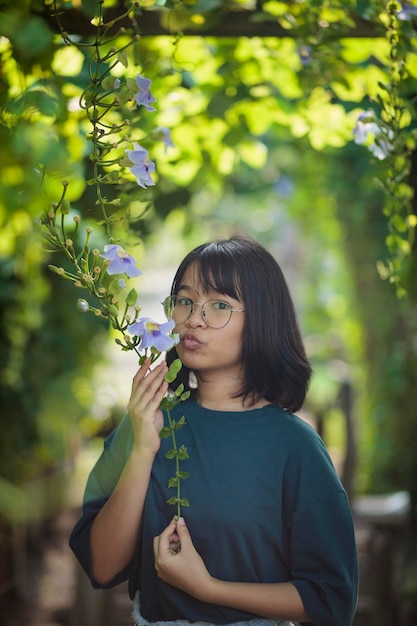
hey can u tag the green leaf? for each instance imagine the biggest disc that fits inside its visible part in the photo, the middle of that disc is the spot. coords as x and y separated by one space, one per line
165 432
184 502
183 475
108 83
173 500
179 390
176 366
173 482
171 454
172 373
180 423
36 98
123 58
182 453
170 376
131 84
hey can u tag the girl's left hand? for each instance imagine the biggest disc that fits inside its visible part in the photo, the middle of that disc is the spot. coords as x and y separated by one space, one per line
178 563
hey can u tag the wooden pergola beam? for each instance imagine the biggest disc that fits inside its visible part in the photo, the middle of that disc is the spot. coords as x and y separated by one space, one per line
230 24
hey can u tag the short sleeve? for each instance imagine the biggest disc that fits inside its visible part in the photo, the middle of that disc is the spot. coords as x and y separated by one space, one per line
101 482
324 560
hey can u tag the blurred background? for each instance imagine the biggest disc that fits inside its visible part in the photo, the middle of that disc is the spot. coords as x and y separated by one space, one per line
262 101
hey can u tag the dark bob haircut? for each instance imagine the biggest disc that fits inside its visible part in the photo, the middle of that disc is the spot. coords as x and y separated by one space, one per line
274 360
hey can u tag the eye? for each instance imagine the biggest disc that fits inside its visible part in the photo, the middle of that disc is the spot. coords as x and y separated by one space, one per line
220 305
183 301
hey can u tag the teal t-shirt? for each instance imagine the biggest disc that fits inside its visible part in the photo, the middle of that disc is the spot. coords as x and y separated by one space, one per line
266 505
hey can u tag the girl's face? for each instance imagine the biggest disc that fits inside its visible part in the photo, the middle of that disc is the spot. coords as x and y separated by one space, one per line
209 351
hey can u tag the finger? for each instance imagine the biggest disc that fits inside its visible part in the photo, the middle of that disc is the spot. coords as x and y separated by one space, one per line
162 541
170 530
145 388
156 547
183 532
145 373
160 393
140 374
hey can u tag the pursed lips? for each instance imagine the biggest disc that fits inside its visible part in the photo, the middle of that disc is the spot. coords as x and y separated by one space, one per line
190 341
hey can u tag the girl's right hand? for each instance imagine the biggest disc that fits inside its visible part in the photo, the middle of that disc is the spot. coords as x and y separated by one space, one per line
148 390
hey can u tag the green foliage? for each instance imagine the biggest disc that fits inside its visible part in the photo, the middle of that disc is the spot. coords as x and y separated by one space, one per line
236 107
41 364
396 115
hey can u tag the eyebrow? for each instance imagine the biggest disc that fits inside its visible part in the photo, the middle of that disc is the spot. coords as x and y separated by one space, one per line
185 287
188 288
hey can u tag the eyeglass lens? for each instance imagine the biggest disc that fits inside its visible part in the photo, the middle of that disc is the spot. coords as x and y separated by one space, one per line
216 313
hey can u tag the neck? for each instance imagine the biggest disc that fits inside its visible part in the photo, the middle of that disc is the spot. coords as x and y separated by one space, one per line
219 396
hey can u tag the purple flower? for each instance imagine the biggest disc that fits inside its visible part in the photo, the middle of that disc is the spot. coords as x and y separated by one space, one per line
305 55
377 139
407 11
142 167
164 134
153 335
120 261
144 96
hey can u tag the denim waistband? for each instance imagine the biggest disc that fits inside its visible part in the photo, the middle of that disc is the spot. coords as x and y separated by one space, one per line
139 620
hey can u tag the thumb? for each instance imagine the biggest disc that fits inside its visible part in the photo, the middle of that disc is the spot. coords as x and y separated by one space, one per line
182 531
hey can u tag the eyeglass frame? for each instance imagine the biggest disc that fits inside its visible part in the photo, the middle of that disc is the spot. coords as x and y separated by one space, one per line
202 304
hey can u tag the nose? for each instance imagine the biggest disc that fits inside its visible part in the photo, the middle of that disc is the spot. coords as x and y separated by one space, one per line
196 317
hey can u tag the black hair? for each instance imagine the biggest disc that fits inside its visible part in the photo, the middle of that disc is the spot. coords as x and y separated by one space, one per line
274 360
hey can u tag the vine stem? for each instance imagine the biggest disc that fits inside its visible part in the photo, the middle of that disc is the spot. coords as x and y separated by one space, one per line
177 462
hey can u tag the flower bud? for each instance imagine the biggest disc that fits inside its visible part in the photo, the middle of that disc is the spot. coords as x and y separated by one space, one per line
76 218
132 296
96 252
77 283
113 310
116 285
82 305
102 291
89 229
68 243
65 206
97 269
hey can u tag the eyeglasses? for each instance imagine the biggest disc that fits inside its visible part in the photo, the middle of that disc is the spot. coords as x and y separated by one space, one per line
216 313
